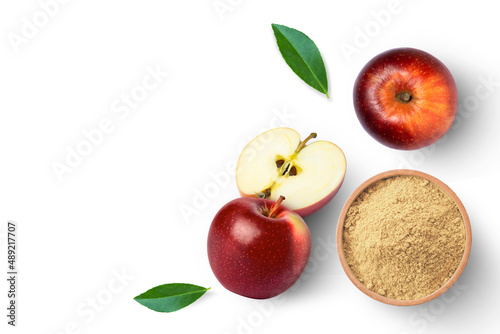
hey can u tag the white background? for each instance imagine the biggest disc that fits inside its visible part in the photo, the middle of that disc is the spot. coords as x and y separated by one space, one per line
119 210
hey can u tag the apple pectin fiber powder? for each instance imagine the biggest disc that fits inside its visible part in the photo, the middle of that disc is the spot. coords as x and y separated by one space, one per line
403 237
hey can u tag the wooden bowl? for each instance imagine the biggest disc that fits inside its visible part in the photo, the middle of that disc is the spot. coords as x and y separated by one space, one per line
340 239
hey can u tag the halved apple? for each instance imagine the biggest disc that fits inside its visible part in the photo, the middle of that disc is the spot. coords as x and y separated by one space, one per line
277 163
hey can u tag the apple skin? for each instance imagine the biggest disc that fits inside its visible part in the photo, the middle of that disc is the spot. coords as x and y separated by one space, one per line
304 212
254 255
394 121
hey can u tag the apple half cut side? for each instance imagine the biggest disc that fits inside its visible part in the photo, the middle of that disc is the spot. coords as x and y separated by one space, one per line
277 163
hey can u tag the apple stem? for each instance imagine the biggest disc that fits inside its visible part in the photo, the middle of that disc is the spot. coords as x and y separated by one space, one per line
302 144
404 97
276 206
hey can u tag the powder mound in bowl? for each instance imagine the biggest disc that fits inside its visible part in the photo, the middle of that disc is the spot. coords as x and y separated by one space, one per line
403 237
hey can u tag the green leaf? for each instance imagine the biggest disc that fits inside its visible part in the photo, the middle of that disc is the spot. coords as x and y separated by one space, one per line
303 56
170 297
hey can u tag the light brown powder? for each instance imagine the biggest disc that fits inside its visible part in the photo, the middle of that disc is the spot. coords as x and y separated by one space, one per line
404 237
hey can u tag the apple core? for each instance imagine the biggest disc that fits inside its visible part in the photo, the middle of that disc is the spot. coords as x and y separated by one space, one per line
278 163
286 167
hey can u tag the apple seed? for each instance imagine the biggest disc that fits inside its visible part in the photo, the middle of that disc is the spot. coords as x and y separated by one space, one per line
285 166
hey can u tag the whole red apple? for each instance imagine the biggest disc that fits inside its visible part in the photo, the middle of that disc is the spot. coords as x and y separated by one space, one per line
405 98
258 248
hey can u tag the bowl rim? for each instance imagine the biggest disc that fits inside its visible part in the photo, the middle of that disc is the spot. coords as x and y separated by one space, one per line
340 239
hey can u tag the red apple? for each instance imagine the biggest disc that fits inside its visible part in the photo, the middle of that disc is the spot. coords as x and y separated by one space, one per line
277 162
258 248
405 98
